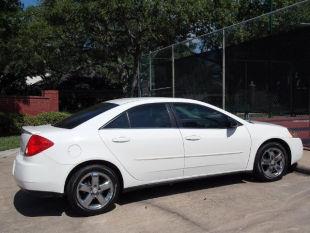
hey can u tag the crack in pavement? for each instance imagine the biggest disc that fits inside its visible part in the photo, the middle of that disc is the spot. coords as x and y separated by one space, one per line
179 215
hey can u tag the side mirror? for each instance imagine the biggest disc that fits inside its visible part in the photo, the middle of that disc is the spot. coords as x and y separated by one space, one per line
231 124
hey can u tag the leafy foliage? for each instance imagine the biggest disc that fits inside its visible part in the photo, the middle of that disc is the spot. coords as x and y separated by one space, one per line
11 123
64 39
10 65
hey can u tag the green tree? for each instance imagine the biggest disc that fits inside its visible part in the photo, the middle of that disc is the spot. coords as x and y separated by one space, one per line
106 38
131 27
10 64
61 39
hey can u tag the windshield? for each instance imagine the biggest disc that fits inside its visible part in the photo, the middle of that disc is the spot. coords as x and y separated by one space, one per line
84 115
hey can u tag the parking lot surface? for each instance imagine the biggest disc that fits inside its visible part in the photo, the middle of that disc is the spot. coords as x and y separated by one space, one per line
230 203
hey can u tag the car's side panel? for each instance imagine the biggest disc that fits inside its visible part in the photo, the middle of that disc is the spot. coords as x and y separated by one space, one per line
215 150
73 148
147 154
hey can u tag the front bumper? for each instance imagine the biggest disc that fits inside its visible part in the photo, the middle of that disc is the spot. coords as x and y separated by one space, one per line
39 173
296 147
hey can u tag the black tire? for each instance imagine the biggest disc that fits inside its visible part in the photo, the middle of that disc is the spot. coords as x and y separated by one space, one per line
292 167
261 170
74 195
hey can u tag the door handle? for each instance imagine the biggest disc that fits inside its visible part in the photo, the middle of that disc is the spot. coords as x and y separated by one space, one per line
193 138
121 139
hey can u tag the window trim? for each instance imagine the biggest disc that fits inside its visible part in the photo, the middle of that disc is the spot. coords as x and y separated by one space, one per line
169 111
179 121
114 118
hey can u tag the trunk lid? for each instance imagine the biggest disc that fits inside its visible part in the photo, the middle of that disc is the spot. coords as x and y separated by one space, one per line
41 130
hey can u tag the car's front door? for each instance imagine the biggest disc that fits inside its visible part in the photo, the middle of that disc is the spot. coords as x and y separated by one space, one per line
147 143
211 144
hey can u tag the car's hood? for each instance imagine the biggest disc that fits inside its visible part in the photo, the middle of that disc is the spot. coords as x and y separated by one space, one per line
263 128
263 123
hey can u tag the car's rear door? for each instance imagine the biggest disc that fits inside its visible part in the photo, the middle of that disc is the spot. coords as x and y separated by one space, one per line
211 145
146 142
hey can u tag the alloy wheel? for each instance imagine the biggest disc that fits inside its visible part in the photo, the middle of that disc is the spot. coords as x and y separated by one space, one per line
95 190
272 162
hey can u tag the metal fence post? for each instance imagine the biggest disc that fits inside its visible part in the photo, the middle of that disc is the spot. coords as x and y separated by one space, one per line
173 74
223 70
150 74
139 79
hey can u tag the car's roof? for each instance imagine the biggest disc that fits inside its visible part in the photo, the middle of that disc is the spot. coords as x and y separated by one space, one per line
149 100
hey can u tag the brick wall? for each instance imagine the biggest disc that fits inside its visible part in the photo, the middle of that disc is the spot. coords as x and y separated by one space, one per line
32 105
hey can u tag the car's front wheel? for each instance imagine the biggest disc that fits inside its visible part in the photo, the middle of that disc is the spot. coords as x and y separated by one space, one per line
271 162
92 189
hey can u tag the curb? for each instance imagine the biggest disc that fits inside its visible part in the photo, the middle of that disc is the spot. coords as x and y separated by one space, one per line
7 153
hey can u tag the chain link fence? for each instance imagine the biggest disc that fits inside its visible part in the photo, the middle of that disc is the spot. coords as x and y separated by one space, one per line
259 67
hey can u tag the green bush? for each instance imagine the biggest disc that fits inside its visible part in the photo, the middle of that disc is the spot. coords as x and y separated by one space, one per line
45 118
11 123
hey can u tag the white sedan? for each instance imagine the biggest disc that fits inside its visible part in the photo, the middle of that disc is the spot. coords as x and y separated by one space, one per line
93 155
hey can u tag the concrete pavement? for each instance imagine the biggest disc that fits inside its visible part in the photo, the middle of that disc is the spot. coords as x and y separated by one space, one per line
231 203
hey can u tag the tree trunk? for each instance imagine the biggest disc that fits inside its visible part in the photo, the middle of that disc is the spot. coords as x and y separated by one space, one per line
135 77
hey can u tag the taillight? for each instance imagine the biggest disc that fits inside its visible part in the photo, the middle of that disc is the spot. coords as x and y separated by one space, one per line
37 144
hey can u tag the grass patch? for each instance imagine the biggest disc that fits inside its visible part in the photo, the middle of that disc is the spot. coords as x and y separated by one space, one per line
9 142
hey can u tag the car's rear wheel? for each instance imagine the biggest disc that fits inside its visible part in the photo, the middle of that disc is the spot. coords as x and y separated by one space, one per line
271 162
92 189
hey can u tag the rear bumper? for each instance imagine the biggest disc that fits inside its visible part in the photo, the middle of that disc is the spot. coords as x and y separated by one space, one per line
39 174
296 147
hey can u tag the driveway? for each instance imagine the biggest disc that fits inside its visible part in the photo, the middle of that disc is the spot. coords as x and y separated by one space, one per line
231 203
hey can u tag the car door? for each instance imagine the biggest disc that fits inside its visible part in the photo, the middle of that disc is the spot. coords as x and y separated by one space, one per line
213 142
147 142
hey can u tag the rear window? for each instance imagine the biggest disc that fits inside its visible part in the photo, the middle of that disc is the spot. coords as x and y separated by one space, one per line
84 115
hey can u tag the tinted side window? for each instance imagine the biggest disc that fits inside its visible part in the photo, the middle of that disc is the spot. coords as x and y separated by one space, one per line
149 116
121 122
84 115
197 116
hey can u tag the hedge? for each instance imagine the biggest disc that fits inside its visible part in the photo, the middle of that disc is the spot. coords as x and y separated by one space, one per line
11 123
